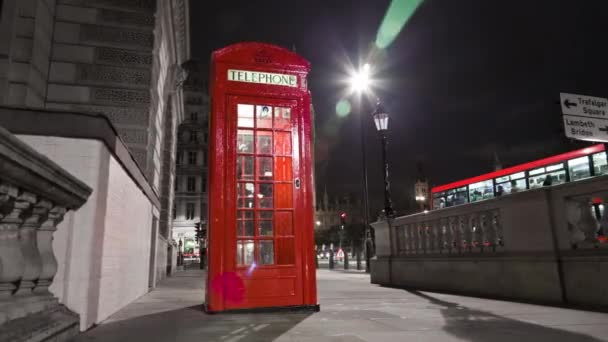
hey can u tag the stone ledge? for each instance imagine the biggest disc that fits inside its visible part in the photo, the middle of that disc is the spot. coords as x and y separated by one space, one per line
76 125
23 167
54 324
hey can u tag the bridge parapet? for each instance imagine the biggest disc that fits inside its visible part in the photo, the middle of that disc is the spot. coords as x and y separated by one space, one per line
545 245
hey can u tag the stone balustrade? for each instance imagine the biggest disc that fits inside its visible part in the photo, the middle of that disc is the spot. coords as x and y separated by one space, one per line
546 245
35 195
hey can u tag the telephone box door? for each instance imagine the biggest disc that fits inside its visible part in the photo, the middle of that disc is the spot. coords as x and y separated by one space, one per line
265 185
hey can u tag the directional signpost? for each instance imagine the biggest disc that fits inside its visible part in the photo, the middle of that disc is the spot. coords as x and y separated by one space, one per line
585 117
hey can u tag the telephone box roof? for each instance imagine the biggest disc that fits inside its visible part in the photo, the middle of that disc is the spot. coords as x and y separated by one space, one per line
255 53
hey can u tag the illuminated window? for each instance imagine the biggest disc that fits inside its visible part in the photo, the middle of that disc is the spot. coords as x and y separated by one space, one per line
600 166
481 190
189 211
579 168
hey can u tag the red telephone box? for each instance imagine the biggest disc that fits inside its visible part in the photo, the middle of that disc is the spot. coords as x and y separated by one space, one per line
260 233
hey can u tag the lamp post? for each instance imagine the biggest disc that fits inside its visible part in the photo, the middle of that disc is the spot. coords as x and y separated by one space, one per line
360 82
381 120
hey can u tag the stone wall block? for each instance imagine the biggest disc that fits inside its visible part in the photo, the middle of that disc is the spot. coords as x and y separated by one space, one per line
29 246
45 247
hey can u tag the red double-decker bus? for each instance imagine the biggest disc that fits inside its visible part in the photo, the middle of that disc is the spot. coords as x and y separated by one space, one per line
558 169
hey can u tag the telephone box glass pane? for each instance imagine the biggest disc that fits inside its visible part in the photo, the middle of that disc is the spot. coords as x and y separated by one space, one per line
266 248
282 118
239 252
245 195
245 115
265 227
245 141
264 168
264 116
248 252
265 195
283 143
244 252
245 228
264 143
244 168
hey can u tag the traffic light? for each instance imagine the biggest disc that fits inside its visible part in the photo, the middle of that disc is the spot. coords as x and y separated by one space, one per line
343 218
198 231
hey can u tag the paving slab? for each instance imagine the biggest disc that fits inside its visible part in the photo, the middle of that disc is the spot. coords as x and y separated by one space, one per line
352 309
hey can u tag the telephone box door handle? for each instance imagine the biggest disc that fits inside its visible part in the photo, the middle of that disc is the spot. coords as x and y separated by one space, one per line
297 183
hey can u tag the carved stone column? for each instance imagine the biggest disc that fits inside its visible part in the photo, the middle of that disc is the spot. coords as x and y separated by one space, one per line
29 246
12 261
45 247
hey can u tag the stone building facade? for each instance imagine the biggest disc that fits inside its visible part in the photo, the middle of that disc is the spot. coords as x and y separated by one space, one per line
105 77
120 58
190 204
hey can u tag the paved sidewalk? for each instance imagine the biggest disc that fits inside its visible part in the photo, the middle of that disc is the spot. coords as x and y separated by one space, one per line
351 310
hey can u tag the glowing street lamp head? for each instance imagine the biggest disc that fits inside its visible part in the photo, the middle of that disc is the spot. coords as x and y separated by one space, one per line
360 80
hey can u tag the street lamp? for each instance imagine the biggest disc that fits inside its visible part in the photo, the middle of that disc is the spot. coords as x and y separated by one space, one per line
381 120
360 82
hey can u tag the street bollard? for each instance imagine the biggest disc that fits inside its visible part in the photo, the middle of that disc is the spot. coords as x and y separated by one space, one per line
317 260
346 260
359 260
331 259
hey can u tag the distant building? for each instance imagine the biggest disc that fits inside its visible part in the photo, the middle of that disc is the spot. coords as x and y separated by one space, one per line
421 189
190 205
328 212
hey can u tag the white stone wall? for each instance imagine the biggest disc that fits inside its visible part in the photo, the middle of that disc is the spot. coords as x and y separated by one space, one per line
102 249
126 247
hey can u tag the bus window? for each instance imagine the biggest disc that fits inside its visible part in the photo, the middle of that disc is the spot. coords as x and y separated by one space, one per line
537 171
600 166
481 190
555 167
507 187
461 196
557 177
579 168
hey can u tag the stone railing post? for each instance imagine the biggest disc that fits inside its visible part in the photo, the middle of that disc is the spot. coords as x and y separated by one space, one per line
29 246
45 247
11 257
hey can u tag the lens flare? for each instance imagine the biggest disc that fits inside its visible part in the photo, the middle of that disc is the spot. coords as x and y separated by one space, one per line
343 108
397 15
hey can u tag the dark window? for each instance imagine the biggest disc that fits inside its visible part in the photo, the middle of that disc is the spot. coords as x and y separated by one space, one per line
204 159
174 211
192 157
176 184
194 116
193 137
189 211
191 184
204 183
179 158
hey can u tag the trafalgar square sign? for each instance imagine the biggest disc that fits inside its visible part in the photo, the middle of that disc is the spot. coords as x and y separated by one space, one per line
585 117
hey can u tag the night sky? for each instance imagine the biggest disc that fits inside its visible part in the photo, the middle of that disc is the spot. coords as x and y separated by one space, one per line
463 80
